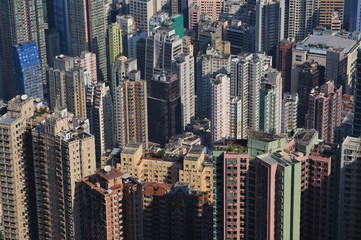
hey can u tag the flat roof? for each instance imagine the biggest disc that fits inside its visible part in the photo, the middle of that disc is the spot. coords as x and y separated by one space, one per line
7 120
324 42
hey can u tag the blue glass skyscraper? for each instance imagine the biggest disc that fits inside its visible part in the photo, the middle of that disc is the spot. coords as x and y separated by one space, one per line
27 69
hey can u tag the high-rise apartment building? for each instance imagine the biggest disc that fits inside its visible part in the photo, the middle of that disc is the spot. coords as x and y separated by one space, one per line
28 71
349 214
99 107
289 112
111 205
247 71
285 62
13 171
324 110
220 108
88 61
301 16
212 8
274 197
236 115
184 65
127 27
115 44
21 21
75 91
130 103
270 102
164 108
213 62
87 23
161 49
331 14
63 154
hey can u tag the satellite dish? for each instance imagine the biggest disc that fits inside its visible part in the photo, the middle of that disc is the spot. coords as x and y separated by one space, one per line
107 168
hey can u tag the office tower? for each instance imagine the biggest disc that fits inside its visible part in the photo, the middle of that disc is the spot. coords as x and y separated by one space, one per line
324 110
111 205
61 22
130 103
15 208
274 197
241 36
270 102
164 108
236 115
87 23
301 16
349 199
357 106
161 49
88 61
269 27
52 40
21 21
337 52
331 14
75 91
260 143
308 76
213 62
99 106
285 62
28 71
220 108
142 11
64 152
230 217
289 112
352 15
184 65
114 41
174 211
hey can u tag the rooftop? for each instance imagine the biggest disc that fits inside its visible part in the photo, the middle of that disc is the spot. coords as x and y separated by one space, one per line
7 120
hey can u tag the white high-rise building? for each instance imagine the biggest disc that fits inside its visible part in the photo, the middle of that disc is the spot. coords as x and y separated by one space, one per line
236 118
246 73
142 11
185 70
220 110
289 112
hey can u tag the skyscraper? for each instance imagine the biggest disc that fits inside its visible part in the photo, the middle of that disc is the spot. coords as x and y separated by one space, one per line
15 208
88 31
28 71
270 102
357 106
220 108
21 21
142 11
331 14
324 110
130 103
289 112
114 41
99 107
285 62
164 108
185 69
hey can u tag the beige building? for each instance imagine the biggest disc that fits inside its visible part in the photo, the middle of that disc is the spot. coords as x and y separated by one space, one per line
63 153
14 197
154 167
331 14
